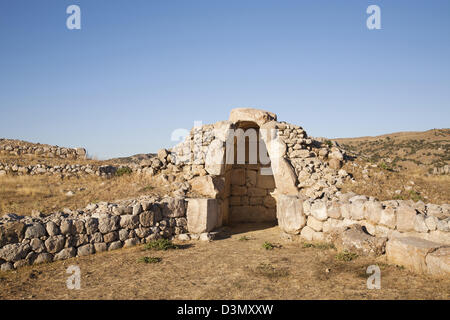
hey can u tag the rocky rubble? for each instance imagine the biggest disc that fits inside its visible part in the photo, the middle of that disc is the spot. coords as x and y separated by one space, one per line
66 170
99 227
23 148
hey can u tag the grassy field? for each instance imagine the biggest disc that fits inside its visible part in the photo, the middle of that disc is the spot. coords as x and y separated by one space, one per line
22 194
239 266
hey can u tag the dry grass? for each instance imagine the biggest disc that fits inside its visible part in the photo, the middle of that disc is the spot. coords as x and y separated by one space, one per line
222 269
413 185
22 194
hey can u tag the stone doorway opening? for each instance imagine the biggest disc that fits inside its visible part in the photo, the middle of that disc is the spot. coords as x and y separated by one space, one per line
250 178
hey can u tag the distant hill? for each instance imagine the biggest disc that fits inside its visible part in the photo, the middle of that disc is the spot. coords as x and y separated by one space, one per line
422 151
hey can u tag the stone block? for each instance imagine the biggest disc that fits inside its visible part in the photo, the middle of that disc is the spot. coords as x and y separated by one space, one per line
291 218
202 215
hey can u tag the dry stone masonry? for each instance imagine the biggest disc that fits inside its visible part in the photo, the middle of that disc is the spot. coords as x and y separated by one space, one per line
282 175
22 148
26 240
66 170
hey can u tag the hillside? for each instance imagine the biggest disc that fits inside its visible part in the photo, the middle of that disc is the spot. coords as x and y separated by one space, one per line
412 151
401 165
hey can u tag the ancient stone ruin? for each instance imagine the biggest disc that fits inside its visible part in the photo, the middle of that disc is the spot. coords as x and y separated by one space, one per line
250 168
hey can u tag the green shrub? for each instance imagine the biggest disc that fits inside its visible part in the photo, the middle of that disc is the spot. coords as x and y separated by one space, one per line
149 259
268 246
123 170
160 244
318 245
346 256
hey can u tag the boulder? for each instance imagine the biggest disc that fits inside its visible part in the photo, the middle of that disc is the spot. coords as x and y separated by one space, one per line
173 207
36 230
438 262
55 244
410 252
257 116
355 239
291 218
12 232
14 252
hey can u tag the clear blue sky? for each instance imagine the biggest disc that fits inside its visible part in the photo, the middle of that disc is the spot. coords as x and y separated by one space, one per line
137 70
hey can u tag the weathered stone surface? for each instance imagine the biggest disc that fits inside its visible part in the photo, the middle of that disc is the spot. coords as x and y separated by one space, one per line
357 210
405 218
65 253
52 228
355 239
100 247
291 218
85 250
111 237
373 211
91 225
12 232
96 237
37 245
7 266
215 158
256 192
238 176
173 207
419 223
319 210
265 181
334 210
252 213
36 230
285 178
410 252
131 242
129 221
314 223
115 245
207 186
43 258
202 215
67 227
14 252
257 116
137 209
438 262
55 243
307 233
388 218
108 223
430 221
79 226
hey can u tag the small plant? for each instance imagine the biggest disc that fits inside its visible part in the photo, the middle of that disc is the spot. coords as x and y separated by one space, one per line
346 256
160 244
150 259
268 246
123 171
244 238
329 143
318 245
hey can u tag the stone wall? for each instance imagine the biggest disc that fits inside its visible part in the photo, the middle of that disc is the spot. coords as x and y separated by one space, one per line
96 228
390 219
67 170
250 199
23 148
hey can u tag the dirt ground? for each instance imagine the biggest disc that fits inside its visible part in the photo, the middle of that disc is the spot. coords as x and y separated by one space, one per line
236 266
